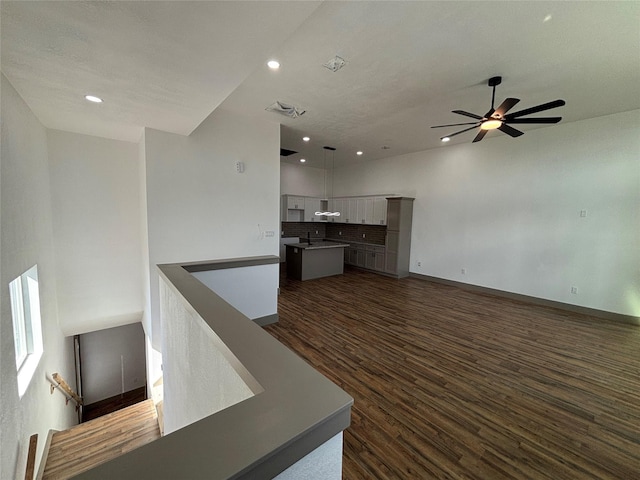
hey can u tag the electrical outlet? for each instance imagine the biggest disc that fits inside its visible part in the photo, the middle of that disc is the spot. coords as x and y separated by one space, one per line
583 213
419 264
463 271
316 232
574 290
363 235
269 233
339 233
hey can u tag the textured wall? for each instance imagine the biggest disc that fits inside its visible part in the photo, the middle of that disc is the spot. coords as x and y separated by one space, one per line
199 379
199 207
26 241
96 223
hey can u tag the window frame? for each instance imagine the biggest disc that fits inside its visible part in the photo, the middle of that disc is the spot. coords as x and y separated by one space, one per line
27 325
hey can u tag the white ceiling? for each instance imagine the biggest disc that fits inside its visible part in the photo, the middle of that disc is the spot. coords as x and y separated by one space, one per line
168 65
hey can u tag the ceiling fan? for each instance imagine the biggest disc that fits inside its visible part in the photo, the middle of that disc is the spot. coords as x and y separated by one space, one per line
497 118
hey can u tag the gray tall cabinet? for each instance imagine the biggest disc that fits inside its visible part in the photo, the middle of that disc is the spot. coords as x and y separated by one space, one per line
399 218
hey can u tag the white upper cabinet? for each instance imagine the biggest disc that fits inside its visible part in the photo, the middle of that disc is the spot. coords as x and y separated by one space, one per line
311 206
359 210
337 205
379 216
295 202
352 210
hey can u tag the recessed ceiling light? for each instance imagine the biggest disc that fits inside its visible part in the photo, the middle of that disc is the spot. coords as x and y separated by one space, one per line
306 139
93 98
358 152
445 139
273 64
547 18
302 160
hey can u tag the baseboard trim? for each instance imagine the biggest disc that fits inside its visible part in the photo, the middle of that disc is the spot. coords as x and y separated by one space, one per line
267 319
616 317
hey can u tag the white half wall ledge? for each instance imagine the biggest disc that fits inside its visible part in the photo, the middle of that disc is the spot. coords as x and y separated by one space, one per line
295 411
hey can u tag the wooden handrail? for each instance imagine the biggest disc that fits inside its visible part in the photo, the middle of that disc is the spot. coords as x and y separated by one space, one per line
31 457
66 389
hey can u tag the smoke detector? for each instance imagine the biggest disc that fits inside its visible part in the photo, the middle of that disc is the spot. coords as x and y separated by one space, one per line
285 109
335 64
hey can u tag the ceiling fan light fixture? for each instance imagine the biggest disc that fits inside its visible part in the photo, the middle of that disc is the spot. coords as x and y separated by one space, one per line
491 124
445 139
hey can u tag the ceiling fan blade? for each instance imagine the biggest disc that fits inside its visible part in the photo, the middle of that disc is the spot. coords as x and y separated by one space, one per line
510 130
458 133
535 120
480 135
536 109
456 124
505 106
467 114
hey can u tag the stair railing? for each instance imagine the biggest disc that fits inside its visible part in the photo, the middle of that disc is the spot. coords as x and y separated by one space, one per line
31 457
57 382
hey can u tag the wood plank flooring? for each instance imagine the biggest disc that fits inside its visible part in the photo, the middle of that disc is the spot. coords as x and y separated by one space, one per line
113 404
461 385
91 443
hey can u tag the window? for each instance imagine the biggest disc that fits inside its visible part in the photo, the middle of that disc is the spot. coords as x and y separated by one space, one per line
27 326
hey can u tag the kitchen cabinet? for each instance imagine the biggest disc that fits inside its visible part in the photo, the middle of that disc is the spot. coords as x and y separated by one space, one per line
351 207
379 211
366 210
361 208
375 258
311 206
399 218
366 256
337 205
294 202
352 257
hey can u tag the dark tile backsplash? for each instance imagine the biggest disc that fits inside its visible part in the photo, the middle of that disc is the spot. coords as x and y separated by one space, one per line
346 232
349 232
300 229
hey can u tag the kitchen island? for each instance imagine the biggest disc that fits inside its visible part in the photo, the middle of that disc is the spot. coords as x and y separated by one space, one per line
306 261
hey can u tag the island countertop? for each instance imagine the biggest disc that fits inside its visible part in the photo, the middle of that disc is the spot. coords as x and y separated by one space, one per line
317 245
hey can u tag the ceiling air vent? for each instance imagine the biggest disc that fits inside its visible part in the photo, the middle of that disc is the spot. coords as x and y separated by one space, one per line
335 64
284 109
285 153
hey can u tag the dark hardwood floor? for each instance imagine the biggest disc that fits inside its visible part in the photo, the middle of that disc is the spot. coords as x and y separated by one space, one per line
456 384
113 404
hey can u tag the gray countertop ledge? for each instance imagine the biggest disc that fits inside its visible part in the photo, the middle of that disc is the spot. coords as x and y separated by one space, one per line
318 244
260 437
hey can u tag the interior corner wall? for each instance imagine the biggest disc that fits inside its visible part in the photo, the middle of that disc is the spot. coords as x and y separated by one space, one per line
199 207
95 194
302 180
26 241
113 362
508 211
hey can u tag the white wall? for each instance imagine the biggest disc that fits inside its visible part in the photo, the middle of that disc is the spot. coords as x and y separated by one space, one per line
508 210
323 463
97 236
200 376
26 241
113 362
302 180
198 206
249 290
